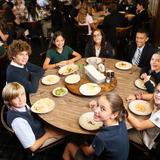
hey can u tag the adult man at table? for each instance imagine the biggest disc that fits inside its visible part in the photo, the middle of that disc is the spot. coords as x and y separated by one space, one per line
140 52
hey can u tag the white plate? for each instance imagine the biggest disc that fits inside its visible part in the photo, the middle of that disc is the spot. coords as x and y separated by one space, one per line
95 60
87 121
90 89
68 69
140 83
43 105
140 107
60 91
122 12
123 65
50 79
72 79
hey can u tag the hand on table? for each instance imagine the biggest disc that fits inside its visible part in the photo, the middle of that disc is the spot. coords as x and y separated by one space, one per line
130 97
62 63
145 77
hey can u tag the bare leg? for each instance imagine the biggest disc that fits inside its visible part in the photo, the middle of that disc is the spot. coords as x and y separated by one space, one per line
70 151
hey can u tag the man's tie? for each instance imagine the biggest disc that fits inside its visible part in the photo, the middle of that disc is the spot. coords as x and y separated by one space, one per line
138 57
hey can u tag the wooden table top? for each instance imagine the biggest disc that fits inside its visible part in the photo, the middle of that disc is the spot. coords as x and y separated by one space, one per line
70 107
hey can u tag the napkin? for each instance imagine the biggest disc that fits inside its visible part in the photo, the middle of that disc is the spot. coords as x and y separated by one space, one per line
94 74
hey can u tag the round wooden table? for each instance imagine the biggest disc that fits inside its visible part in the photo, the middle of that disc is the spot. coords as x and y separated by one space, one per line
70 107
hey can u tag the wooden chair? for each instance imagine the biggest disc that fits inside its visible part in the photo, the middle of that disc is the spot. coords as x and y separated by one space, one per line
53 143
82 37
152 154
3 119
123 32
35 32
124 37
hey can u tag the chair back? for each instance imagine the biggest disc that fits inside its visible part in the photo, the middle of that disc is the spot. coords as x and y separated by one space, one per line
82 29
82 38
123 31
4 117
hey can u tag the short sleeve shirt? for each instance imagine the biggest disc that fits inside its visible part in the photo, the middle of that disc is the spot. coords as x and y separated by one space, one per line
23 130
89 20
56 57
151 134
112 143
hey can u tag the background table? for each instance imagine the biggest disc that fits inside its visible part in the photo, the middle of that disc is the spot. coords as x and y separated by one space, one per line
70 107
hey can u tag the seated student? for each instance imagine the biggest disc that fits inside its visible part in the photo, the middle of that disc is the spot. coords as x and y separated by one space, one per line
84 18
154 72
6 33
128 6
60 54
111 142
97 46
20 70
146 131
112 20
27 128
140 17
140 53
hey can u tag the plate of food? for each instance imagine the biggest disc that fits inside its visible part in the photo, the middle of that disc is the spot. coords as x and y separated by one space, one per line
43 105
72 79
140 107
123 65
68 69
50 79
93 60
87 122
140 84
60 91
89 89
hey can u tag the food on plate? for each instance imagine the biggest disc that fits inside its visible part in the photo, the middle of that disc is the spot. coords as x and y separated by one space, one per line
60 91
43 105
87 121
40 108
91 122
140 107
68 69
123 65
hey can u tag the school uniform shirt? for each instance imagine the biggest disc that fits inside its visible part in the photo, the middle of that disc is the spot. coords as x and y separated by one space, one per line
21 121
149 135
92 52
149 85
112 143
56 57
27 75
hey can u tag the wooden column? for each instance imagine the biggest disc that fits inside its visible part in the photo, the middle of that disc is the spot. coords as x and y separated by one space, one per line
156 30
